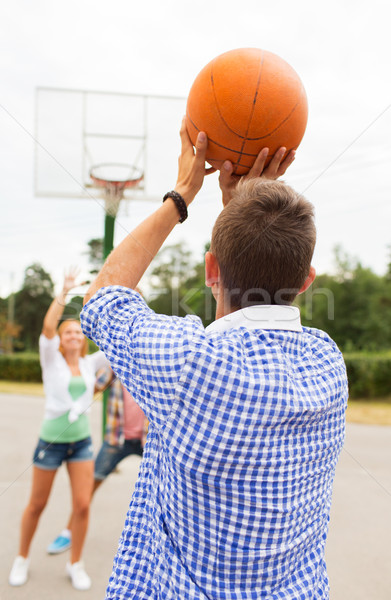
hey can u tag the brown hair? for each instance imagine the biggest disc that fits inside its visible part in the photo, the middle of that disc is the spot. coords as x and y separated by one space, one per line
263 241
61 327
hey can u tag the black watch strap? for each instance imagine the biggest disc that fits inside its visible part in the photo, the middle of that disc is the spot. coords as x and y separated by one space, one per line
179 203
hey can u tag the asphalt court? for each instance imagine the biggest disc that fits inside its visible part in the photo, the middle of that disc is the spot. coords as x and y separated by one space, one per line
358 550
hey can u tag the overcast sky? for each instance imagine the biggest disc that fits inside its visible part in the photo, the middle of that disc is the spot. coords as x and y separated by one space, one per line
341 50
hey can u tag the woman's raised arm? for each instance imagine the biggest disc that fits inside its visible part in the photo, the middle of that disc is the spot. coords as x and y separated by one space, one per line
56 309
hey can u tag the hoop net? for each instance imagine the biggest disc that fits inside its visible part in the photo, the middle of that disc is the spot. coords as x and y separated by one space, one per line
114 179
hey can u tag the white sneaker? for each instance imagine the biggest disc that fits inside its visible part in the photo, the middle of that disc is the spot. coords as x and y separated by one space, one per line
19 572
79 577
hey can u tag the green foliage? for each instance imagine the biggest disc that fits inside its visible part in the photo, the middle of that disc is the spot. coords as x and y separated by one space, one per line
95 254
37 281
178 285
25 366
369 375
92 347
353 307
31 304
73 308
9 330
197 298
20 367
3 306
388 271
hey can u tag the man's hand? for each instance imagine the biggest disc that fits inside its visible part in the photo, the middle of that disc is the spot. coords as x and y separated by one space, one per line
277 167
191 165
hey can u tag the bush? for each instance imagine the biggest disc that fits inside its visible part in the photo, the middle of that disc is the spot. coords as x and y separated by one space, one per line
20 367
25 366
369 374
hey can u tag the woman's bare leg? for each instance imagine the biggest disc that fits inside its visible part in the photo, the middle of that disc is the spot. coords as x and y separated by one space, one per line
81 475
97 483
40 491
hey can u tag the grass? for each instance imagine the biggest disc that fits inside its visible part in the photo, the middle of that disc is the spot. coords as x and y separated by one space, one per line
369 412
359 411
24 388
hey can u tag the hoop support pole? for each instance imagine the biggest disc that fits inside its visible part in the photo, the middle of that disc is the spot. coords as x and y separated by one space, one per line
108 240
108 244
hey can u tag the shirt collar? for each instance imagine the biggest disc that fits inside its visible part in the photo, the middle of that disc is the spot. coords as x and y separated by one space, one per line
260 316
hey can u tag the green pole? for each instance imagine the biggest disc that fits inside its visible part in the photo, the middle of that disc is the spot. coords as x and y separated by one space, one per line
108 241
108 244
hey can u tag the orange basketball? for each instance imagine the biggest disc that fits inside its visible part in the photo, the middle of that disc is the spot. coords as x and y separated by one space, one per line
246 100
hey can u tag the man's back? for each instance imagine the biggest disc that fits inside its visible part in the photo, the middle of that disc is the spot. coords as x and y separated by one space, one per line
246 426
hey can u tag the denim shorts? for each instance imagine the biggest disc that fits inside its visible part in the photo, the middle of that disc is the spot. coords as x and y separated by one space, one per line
109 456
50 456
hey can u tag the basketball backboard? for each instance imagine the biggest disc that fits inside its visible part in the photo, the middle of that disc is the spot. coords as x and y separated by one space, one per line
76 130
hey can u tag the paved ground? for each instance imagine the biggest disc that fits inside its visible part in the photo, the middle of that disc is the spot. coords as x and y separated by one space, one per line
358 549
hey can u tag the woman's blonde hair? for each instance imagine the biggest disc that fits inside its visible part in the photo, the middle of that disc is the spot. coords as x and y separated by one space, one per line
62 326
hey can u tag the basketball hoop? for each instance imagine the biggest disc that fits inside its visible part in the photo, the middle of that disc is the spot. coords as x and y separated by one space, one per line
114 179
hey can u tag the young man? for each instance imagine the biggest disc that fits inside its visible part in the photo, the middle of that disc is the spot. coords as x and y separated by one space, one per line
246 418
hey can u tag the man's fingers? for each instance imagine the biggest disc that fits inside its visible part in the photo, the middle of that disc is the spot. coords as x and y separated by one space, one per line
278 165
286 162
259 164
201 142
225 174
201 146
274 165
185 138
227 169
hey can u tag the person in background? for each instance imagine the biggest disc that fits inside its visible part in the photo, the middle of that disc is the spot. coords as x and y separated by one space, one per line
125 435
69 376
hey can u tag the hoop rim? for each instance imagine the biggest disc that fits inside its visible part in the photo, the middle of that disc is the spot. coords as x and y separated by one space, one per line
117 183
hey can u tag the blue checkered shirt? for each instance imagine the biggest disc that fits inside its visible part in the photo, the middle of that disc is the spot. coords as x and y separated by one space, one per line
247 420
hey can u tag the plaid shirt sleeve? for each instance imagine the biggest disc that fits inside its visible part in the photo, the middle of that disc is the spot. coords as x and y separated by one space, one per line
145 350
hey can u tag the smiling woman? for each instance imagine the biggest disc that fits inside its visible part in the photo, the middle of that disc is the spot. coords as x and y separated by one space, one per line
69 377
71 336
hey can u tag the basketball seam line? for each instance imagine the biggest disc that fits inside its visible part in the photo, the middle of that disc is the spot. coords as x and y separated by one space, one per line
253 106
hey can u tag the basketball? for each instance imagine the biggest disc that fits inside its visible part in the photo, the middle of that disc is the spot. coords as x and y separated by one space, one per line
245 100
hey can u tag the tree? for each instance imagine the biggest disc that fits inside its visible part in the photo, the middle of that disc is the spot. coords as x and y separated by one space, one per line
73 308
9 331
31 304
353 306
95 254
172 266
179 285
197 298
388 272
95 258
